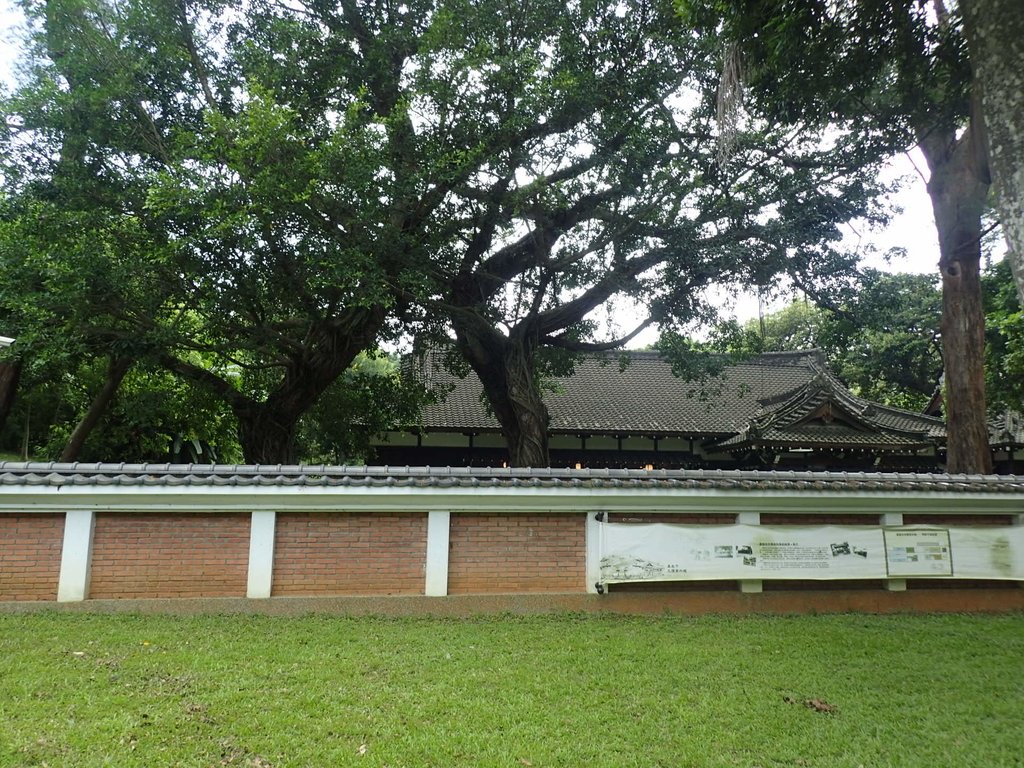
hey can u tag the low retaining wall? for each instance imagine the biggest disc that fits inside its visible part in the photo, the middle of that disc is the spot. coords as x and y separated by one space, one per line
73 533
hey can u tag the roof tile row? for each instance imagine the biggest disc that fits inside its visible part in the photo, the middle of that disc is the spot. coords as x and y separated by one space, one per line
35 475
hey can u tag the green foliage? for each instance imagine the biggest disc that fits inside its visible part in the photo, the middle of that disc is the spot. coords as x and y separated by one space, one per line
155 417
892 351
369 398
883 342
700 361
884 66
1004 340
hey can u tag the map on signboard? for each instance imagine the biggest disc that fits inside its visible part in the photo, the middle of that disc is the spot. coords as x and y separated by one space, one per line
918 552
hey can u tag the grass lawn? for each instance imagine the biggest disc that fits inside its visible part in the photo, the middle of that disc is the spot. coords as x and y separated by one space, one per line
569 690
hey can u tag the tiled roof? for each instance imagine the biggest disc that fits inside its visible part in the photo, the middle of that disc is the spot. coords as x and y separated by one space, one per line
815 435
645 398
1007 429
36 475
824 413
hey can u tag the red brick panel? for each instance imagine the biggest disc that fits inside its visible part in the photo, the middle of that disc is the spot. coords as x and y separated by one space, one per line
491 553
350 553
812 585
170 555
30 548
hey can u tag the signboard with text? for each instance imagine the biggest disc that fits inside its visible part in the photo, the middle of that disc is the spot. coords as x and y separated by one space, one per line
664 552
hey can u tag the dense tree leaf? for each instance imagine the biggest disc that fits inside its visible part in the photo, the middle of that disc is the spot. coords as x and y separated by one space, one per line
900 70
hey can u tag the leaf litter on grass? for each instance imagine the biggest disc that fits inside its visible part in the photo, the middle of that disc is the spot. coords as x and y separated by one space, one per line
816 705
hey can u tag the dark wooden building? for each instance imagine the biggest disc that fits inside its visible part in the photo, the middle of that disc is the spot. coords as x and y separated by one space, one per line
775 411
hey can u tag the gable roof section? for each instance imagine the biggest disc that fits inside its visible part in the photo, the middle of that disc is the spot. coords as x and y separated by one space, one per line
1007 430
823 413
645 398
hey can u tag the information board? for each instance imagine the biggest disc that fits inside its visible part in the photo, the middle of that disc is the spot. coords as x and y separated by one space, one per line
668 552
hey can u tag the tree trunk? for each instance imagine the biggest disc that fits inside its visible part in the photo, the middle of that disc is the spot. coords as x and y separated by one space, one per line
116 371
958 190
267 435
10 375
995 35
527 430
267 428
507 369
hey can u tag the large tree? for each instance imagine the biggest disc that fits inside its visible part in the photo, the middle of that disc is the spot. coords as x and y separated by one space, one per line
298 178
160 119
618 191
900 66
291 167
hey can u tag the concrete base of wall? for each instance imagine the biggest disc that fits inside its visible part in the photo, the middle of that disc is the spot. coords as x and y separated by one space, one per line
683 604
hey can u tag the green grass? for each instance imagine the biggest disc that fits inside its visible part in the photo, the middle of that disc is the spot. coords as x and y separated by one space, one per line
126 690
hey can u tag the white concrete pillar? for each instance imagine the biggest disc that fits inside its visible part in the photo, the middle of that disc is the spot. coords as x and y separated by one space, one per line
76 556
438 530
890 519
592 569
750 586
261 554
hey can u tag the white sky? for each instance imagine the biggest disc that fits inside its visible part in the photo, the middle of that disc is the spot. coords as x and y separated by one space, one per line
913 229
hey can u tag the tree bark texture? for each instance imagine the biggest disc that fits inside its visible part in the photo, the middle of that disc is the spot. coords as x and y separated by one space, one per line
267 435
116 371
995 36
10 375
958 188
507 369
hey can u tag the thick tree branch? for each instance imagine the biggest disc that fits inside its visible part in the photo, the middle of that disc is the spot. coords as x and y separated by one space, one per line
574 311
572 345
208 379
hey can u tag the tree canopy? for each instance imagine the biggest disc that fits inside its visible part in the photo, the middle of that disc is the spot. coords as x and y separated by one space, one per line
900 70
251 197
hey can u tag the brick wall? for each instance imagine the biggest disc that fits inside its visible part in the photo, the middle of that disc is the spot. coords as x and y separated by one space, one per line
170 555
350 554
152 555
30 548
493 553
